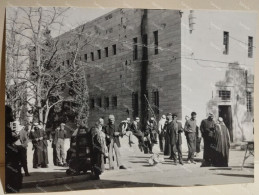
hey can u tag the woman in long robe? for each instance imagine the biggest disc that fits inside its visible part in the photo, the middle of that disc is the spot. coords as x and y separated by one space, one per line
40 146
222 144
99 148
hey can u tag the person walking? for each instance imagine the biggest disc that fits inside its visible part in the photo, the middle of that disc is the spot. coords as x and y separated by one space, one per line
207 128
113 141
60 135
190 133
135 127
24 139
161 132
40 147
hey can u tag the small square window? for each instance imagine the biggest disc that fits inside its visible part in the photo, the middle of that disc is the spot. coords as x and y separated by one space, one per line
225 95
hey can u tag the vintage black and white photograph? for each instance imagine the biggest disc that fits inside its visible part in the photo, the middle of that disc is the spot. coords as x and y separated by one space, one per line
99 98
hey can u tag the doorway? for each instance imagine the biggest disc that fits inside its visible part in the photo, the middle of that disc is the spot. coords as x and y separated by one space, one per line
226 113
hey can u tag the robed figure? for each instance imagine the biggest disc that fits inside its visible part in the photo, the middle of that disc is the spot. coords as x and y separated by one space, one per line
222 144
40 147
99 148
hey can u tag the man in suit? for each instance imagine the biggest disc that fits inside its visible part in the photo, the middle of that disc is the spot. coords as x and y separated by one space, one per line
175 141
113 141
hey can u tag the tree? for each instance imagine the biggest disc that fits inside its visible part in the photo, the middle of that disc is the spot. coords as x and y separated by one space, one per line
47 76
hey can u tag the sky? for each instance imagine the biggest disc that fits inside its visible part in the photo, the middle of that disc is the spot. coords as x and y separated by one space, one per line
76 16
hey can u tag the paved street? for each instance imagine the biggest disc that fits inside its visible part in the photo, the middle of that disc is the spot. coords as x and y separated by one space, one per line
140 174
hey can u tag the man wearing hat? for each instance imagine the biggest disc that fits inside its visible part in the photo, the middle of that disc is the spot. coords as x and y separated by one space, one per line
113 141
207 128
60 135
161 125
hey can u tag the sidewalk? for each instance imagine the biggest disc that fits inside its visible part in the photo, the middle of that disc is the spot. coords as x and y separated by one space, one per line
136 162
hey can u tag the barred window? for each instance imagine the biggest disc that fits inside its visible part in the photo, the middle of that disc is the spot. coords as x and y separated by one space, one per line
114 101
224 94
249 101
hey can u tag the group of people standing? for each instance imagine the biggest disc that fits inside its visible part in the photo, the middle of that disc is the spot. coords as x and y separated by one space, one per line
215 137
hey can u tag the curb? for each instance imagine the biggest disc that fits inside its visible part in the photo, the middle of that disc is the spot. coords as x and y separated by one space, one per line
56 181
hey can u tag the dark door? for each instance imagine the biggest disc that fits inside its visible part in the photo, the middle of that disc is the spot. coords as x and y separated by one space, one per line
226 113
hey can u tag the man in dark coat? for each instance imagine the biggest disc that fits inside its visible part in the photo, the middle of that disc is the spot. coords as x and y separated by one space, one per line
40 146
13 159
207 128
222 144
113 142
173 128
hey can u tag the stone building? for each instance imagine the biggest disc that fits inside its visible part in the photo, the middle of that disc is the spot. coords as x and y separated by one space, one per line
143 62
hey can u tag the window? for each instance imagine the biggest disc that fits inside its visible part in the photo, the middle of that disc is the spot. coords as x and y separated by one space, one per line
99 54
99 102
135 104
63 63
114 101
224 95
145 49
106 102
92 56
155 101
135 48
68 62
225 42
249 101
114 49
85 57
156 42
250 47
92 103
106 52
